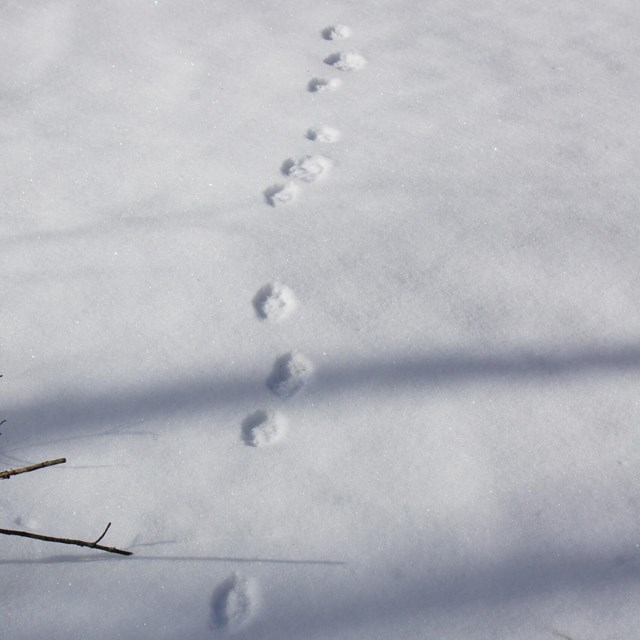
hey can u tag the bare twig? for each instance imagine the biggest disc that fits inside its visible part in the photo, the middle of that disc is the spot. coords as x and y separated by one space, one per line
104 533
5 475
78 543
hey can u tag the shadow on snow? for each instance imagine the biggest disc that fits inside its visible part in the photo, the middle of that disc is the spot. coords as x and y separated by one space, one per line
79 415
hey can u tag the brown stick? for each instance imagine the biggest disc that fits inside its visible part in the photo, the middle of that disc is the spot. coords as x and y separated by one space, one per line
78 543
5 475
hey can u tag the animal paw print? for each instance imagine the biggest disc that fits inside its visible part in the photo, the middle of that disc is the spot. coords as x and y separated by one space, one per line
234 603
346 61
308 168
264 428
279 194
323 133
337 32
289 375
274 302
324 85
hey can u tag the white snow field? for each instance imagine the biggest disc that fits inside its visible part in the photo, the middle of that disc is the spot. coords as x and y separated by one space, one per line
402 402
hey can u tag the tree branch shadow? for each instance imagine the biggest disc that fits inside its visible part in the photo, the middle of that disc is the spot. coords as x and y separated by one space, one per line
77 415
99 557
490 587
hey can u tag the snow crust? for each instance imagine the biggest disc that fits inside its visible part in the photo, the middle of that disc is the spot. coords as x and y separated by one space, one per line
441 439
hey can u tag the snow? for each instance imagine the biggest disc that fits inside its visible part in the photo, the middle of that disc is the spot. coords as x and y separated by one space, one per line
399 402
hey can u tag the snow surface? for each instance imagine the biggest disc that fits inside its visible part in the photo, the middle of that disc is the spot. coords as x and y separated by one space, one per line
461 459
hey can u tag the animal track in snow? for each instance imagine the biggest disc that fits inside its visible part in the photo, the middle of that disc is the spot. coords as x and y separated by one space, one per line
323 133
290 373
320 85
234 603
280 194
307 168
336 32
274 302
346 61
264 428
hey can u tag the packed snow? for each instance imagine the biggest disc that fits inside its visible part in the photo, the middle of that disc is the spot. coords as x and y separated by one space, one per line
333 309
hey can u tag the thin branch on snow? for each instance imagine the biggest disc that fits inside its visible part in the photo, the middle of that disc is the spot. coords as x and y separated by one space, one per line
78 543
37 536
104 533
5 475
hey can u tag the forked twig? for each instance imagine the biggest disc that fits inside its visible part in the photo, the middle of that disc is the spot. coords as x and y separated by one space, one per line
36 536
104 533
5 475
78 543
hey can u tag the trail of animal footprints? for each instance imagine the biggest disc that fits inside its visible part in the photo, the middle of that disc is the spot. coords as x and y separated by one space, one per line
307 169
275 302
236 600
